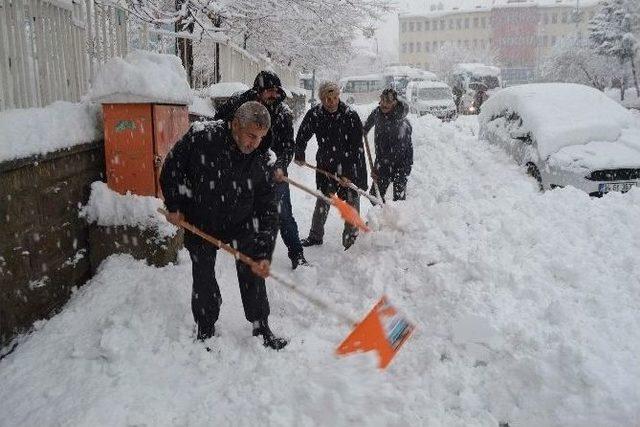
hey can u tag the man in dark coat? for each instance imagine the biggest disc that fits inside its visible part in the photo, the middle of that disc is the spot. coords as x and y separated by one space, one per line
268 91
338 130
214 179
393 146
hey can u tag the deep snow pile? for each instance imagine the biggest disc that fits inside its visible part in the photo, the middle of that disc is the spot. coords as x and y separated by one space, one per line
108 208
29 131
526 307
142 77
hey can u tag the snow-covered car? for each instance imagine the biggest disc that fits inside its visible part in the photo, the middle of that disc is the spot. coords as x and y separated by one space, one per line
566 134
429 97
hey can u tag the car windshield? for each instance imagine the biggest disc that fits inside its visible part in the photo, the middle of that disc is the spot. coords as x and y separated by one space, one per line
433 93
491 82
362 86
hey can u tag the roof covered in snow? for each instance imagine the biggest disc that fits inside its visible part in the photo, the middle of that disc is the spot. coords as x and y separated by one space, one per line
363 77
447 7
429 84
560 114
225 89
142 77
477 69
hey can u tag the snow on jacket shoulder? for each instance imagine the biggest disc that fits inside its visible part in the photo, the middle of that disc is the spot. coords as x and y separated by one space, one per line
219 189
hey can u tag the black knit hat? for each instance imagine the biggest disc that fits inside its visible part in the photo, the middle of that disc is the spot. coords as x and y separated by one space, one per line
267 80
389 93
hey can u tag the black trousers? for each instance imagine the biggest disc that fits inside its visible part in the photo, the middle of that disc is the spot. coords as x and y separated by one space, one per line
205 295
398 178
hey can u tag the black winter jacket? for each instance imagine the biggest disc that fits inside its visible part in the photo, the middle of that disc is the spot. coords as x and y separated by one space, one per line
340 148
393 146
220 190
280 136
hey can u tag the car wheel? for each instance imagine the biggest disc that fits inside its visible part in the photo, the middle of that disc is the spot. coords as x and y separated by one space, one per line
532 170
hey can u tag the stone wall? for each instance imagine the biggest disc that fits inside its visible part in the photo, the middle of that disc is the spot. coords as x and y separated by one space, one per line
43 243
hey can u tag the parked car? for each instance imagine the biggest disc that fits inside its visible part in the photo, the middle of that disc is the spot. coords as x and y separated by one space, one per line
361 89
565 134
431 97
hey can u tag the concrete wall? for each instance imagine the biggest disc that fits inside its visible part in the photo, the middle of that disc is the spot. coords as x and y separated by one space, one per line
43 242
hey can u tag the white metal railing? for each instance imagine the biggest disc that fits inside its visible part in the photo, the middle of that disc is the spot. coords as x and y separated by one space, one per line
50 49
236 64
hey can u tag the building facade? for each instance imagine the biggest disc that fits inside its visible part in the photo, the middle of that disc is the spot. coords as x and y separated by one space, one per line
519 34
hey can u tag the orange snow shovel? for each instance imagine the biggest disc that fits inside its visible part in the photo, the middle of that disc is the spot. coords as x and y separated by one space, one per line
347 212
382 330
345 182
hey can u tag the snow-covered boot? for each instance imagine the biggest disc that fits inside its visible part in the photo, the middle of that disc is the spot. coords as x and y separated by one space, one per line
261 328
205 332
297 260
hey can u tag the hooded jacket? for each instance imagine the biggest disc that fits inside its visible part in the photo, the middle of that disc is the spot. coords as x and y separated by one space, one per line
340 148
393 146
220 190
280 136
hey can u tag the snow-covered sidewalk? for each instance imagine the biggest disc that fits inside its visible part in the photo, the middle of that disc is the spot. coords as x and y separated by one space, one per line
526 307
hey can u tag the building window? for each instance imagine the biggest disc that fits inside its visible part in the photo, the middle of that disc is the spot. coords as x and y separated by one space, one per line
442 24
442 45
545 18
476 22
553 40
418 46
459 43
404 48
434 46
466 22
466 44
475 43
483 22
426 25
419 26
545 41
451 24
411 47
459 24
412 26
426 46
564 17
554 18
482 45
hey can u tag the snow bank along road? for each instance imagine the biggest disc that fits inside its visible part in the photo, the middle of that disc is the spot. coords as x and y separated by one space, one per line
526 307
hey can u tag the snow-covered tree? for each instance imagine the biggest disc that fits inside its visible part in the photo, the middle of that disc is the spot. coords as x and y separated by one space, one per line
574 60
306 33
614 33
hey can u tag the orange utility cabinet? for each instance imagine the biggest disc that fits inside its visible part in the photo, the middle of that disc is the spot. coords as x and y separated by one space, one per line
137 137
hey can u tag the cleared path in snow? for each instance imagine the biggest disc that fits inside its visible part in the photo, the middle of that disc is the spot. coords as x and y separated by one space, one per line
529 316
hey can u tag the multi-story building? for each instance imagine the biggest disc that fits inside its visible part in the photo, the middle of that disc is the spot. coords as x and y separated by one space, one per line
519 34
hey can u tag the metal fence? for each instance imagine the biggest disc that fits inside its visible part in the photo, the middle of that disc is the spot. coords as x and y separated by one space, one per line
49 50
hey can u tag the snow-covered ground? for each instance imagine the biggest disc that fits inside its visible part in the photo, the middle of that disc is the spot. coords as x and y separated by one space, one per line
526 307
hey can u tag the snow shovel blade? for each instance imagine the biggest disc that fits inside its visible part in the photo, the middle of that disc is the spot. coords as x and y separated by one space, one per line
383 330
348 213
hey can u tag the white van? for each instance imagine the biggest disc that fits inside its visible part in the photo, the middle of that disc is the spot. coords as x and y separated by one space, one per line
434 98
361 89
